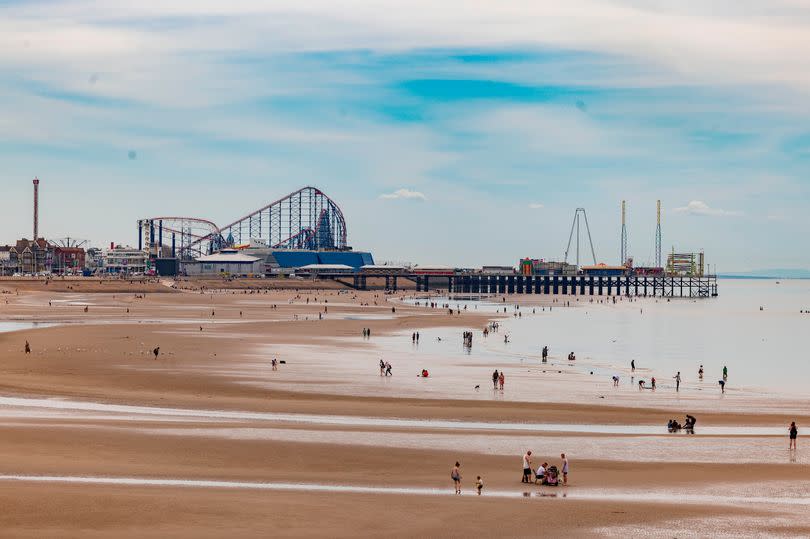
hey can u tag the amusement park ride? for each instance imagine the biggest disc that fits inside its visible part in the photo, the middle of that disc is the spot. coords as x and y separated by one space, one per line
304 219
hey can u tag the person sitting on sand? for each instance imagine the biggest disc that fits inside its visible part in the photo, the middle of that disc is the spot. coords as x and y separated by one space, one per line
540 475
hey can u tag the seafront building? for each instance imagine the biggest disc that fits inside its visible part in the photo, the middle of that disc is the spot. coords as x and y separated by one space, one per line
26 257
125 260
228 262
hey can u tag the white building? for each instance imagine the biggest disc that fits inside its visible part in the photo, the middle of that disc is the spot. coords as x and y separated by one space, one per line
225 262
126 260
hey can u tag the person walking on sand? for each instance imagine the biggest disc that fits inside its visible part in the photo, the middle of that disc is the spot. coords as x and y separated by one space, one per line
564 468
678 381
495 377
455 475
274 364
27 348
382 367
700 373
725 373
722 385
156 351
794 433
479 484
388 369
632 365
527 467
501 379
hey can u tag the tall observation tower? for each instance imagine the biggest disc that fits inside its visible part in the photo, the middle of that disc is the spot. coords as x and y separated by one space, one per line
36 208
623 259
658 236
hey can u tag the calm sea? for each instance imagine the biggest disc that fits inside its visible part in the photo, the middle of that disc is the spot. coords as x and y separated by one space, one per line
767 349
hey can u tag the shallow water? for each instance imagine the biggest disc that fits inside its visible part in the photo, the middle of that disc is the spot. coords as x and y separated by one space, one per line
647 448
19 407
763 350
562 493
7 326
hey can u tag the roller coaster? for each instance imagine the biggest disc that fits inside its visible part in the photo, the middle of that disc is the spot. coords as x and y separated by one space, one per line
304 219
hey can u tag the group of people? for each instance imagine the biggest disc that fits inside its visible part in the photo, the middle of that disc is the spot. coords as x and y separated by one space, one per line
415 337
467 338
493 327
455 475
545 474
497 379
366 333
688 425
642 384
385 368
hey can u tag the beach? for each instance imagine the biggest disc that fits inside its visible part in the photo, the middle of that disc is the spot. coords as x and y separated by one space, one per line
101 437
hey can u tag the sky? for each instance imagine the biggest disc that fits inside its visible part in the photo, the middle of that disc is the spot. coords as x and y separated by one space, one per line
454 132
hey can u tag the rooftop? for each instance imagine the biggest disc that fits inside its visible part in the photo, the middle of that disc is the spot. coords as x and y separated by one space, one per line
228 257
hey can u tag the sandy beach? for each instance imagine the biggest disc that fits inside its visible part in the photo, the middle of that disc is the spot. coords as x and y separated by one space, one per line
100 437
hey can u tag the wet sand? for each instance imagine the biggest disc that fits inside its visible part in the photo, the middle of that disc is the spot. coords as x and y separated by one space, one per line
99 438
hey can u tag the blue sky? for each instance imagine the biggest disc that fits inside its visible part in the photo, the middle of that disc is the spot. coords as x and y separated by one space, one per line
463 133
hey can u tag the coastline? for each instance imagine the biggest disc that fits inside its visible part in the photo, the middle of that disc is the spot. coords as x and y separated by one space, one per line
104 356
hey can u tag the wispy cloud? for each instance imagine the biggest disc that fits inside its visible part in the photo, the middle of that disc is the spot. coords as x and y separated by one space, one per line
404 194
698 207
535 206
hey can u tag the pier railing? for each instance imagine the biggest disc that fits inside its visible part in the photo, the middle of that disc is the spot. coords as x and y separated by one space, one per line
579 285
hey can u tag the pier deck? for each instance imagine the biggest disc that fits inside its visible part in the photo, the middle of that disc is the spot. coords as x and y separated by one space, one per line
579 285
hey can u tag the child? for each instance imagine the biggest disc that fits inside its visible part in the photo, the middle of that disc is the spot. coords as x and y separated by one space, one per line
479 484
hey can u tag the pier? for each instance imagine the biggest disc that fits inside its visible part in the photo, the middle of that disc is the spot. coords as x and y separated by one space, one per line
576 285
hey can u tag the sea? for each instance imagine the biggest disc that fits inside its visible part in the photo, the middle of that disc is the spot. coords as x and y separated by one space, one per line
759 329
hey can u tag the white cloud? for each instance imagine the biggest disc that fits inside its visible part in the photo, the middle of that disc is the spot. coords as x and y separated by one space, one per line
698 207
405 194
535 206
735 42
